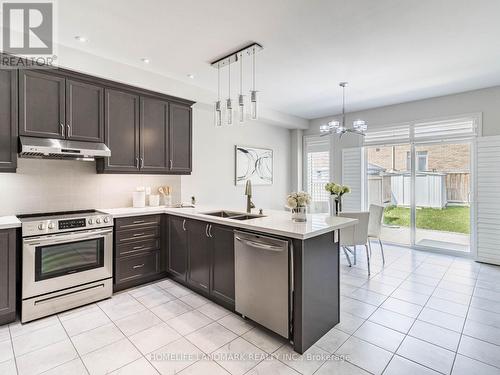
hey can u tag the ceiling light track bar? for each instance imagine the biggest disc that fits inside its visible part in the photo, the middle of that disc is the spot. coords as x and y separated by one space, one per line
248 50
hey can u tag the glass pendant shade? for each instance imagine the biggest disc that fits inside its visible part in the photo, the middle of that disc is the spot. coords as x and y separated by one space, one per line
218 114
360 125
334 124
229 111
241 109
253 105
324 128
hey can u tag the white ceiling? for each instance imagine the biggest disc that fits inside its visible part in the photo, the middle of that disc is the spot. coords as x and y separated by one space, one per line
390 51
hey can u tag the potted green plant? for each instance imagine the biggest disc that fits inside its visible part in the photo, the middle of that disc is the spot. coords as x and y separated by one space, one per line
298 204
336 192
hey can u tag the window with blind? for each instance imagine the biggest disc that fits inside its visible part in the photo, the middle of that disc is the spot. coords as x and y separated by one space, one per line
451 128
316 167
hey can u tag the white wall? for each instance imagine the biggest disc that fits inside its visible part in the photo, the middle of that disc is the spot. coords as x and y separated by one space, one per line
212 180
486 101
60 185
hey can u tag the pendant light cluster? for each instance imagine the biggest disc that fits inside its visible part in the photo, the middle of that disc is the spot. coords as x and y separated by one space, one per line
339 127
224 114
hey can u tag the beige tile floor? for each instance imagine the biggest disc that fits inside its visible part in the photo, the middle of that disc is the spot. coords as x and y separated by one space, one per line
421 313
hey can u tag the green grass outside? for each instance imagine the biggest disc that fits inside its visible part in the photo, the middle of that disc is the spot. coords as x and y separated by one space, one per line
450 219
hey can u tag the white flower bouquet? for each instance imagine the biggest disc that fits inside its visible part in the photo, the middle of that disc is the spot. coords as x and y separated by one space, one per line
298 203
300 199
336 192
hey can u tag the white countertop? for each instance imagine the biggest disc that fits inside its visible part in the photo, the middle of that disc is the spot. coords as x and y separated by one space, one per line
274 222
7 222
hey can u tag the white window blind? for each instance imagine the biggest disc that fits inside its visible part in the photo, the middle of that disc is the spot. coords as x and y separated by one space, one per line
391 135
317 167
352 176
443 129
488 199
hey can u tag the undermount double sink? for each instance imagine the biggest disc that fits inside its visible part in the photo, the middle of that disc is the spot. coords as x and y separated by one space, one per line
233 215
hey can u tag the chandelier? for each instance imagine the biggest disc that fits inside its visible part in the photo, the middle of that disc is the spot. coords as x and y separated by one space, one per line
224 114
339 127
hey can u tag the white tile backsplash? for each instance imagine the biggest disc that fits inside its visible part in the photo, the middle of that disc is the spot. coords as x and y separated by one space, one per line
56 185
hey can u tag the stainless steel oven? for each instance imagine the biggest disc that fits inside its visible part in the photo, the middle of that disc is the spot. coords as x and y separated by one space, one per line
69 265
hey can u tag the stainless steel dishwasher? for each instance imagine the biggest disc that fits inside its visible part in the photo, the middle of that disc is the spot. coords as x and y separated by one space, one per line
262 286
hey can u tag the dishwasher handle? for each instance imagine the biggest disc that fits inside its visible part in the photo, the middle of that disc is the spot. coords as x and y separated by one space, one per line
260 245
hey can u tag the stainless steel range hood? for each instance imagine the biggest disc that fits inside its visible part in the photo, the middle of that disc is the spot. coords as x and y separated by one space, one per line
61 149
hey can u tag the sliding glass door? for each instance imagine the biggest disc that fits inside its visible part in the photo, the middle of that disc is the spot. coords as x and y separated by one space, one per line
388 185
425 189
442 195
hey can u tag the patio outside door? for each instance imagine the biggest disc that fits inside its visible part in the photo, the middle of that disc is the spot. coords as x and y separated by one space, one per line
426 191
442 200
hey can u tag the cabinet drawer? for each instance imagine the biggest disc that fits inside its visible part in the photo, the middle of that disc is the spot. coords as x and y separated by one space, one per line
137 222
132 248
137 266
137 234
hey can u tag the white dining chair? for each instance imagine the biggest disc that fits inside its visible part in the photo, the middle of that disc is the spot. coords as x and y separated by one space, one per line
375 227
355 235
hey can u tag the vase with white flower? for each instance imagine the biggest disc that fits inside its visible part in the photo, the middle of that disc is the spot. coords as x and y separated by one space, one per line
336 192
298 204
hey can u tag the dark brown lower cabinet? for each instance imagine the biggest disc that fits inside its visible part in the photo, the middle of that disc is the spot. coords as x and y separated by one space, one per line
177 248
222 265
199 249
137 251
201 255
7 276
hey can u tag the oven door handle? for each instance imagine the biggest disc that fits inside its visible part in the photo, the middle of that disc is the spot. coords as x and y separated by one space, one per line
68 237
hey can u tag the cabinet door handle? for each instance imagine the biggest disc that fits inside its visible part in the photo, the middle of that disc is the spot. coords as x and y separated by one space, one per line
139 221
206 230
184 224
142 163
138 266
69 130
170 163
138 247
137 234
210 231
137 162
62 128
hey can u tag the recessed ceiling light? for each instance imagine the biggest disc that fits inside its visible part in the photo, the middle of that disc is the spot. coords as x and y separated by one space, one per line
81 39
191 76
145 60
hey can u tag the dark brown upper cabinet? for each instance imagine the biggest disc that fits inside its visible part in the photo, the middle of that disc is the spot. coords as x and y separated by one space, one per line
41 104
84 111
147 132
121 132
180 139
154 136
55 106
8 120
146 135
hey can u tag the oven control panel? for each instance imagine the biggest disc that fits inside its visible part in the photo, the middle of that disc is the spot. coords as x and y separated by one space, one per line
72 223
57 225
